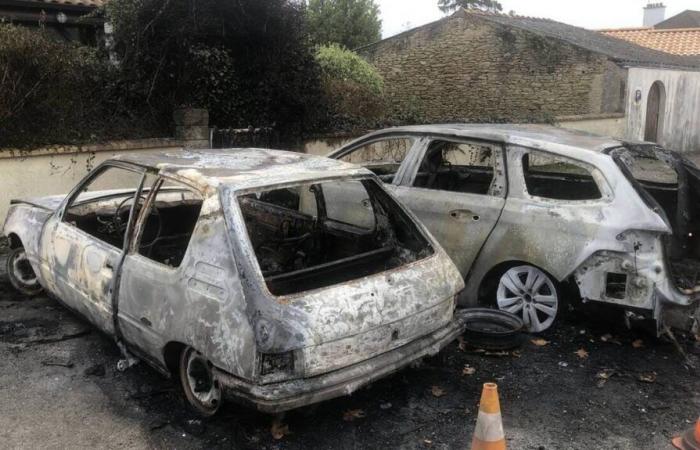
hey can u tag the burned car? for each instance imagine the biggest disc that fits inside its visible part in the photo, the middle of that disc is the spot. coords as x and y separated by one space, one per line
243 272
525 210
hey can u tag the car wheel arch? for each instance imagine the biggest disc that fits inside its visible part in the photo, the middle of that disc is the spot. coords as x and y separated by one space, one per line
14 241
171 356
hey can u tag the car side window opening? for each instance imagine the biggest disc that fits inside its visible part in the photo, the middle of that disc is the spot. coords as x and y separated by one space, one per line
383 157
167 225
558 178
103 206
466 167
315 235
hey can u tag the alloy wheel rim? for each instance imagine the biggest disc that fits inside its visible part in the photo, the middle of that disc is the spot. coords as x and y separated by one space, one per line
530 293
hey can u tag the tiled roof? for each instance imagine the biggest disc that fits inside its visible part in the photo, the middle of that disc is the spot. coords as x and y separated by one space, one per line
616 49
686 19
682 41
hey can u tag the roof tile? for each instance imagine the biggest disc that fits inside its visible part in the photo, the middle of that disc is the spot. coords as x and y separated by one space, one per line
680 41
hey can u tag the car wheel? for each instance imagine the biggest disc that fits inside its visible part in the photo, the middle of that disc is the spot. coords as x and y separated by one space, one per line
202 390
21 273
531 294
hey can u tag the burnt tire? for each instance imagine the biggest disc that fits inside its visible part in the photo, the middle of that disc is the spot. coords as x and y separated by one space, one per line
530 293
491 329
199 385
21 274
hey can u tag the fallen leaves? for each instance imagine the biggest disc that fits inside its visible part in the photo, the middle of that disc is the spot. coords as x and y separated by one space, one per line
540 342
468 370
437 391
604 376
647 377
353 414
610 338
279 429
462 343
581 353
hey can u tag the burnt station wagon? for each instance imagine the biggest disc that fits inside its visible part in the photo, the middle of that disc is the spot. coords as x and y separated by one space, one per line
243 272
526 210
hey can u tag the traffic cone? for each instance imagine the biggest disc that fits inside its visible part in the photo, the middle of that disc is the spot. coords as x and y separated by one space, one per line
488 434
690 440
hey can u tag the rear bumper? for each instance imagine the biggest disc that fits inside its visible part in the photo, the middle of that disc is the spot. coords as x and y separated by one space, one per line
286 395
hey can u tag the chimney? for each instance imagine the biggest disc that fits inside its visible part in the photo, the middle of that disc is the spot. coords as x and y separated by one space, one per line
654 13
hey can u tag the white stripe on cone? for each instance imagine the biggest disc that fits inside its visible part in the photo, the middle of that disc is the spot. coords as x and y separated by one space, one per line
489 427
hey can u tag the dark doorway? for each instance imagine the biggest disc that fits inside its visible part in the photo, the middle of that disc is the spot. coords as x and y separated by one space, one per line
656 103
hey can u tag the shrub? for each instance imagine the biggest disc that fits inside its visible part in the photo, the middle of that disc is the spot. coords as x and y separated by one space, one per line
340 64
249 62
55 93
352 90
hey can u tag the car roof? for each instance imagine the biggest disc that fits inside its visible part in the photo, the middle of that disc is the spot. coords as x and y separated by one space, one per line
539 136
241 168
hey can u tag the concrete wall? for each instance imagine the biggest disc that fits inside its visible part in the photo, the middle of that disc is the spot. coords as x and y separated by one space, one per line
605 124
56 170
469 69
680 128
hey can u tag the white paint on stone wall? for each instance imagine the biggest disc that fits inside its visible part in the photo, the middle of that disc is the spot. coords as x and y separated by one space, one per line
56 171
680 128
613 126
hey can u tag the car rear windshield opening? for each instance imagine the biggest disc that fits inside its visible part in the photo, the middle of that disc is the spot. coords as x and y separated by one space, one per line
315 235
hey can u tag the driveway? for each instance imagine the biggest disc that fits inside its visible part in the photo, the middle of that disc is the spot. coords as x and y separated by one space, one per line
589 384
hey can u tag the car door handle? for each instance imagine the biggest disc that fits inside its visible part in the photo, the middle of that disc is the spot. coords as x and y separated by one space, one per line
463 214
109 266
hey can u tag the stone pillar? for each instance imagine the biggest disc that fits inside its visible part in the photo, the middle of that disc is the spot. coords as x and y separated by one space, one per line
192 127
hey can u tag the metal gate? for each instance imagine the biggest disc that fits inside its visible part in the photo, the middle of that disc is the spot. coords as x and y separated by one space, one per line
263 137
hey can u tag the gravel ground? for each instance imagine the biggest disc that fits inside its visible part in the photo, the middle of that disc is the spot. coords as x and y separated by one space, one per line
59 388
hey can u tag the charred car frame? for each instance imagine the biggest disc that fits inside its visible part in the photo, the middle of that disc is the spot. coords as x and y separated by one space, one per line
244 273
526 209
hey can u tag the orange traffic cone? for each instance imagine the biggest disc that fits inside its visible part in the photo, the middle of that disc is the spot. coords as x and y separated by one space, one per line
690 440
489 427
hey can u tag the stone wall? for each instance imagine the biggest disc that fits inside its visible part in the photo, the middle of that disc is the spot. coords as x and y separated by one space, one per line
465 68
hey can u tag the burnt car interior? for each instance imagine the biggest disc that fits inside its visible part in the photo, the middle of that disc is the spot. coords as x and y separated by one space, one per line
670 185
383 157
315 235
457 167
556 178
168 226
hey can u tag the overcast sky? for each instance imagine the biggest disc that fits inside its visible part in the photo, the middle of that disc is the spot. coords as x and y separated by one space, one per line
400 15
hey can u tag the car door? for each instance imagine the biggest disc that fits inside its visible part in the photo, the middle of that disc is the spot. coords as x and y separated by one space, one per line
383 155
83 243
156 275
457 188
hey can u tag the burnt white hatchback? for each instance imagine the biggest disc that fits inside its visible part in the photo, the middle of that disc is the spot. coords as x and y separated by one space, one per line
274 278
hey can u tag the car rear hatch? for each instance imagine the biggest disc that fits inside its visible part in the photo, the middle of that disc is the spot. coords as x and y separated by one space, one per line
670 185
355 273
355 321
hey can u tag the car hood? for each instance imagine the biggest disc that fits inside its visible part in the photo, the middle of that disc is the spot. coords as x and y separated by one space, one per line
50 203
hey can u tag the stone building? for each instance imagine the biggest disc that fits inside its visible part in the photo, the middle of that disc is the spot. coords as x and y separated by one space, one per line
475 66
